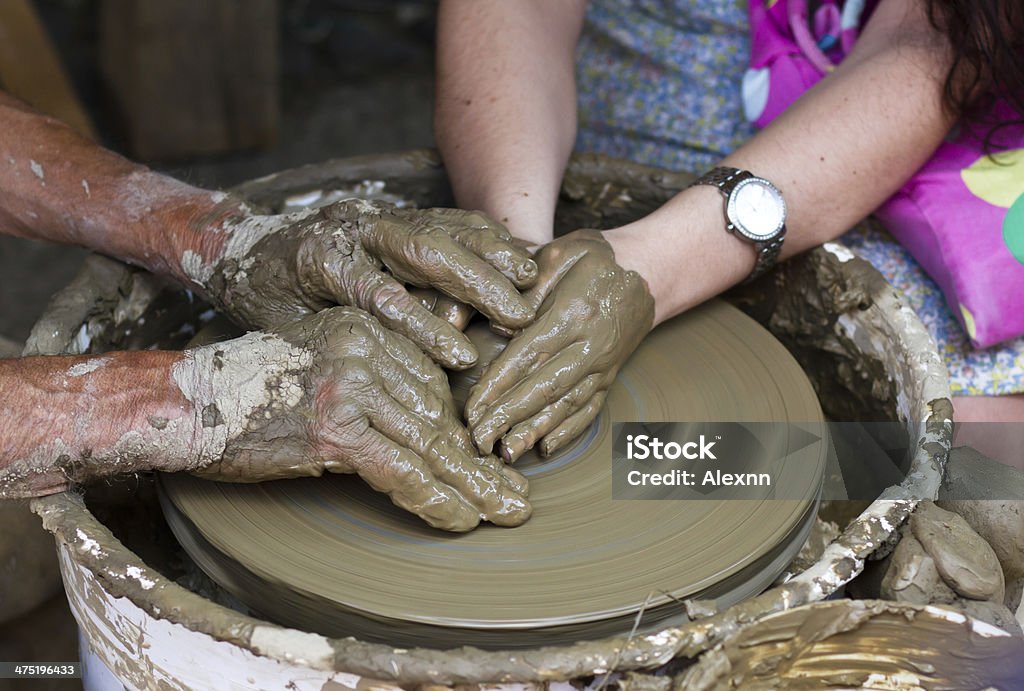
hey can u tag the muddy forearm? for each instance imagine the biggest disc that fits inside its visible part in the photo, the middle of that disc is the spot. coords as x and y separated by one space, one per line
71 419
62 187
506 106
67 420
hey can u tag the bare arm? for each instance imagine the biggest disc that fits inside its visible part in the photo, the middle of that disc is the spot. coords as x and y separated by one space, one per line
836 154
261 270
333 392
59 186
505 118
68 419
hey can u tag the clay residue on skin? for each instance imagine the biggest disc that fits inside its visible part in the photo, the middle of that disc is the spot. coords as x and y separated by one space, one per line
37 170
264 271
140 193
845 383
84 368
86 444
336 392
551 382
257 373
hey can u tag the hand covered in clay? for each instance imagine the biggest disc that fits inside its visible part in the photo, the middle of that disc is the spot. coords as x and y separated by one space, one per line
551 381
273 269
456 313
338 392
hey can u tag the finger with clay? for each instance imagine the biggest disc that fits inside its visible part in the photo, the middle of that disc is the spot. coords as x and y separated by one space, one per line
271 269
550 382
337 392
456 313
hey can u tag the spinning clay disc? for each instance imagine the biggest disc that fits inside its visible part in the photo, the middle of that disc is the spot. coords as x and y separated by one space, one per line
330 555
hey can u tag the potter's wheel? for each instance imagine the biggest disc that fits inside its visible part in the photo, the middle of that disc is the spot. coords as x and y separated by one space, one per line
332 556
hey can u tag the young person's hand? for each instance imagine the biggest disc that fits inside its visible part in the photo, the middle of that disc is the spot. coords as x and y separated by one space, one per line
551 381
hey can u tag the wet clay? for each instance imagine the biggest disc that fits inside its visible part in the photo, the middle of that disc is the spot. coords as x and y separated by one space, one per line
964 560
329 556
913 577
941 560
272 268
970 479
552 380
861 644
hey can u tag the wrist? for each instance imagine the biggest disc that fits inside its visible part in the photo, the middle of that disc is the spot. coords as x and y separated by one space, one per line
633 252
191 235
527 211
683 251
72 419
242 393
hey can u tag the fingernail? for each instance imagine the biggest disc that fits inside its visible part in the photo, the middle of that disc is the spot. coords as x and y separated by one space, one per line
466 357
521 312
480 438
506 453
516 511
527 269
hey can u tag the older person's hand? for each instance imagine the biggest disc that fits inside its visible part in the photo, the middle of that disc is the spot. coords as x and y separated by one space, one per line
266 270
337 392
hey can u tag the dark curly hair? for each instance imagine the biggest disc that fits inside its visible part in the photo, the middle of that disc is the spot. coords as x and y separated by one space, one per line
987 44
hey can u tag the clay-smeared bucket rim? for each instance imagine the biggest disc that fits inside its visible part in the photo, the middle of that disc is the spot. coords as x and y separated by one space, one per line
857 302
850 643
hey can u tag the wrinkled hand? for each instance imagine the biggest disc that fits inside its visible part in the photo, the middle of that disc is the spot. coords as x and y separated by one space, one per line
273 269
338 392
551 381
456 313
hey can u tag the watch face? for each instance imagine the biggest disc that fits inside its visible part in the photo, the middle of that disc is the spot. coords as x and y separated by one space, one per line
756 209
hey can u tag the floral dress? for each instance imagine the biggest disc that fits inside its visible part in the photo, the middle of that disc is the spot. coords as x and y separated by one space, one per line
660 83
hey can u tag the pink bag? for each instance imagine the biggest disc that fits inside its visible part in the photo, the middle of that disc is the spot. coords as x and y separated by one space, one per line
961 215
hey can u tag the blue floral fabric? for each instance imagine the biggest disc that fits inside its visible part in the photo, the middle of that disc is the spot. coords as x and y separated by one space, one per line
659 83
659 80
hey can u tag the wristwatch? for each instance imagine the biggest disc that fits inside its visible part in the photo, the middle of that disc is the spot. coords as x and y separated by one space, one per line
754 211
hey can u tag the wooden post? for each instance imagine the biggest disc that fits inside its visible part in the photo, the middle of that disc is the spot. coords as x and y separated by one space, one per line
191 77
31 70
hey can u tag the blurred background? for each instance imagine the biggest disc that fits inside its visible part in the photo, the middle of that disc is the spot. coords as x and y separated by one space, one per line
214 92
